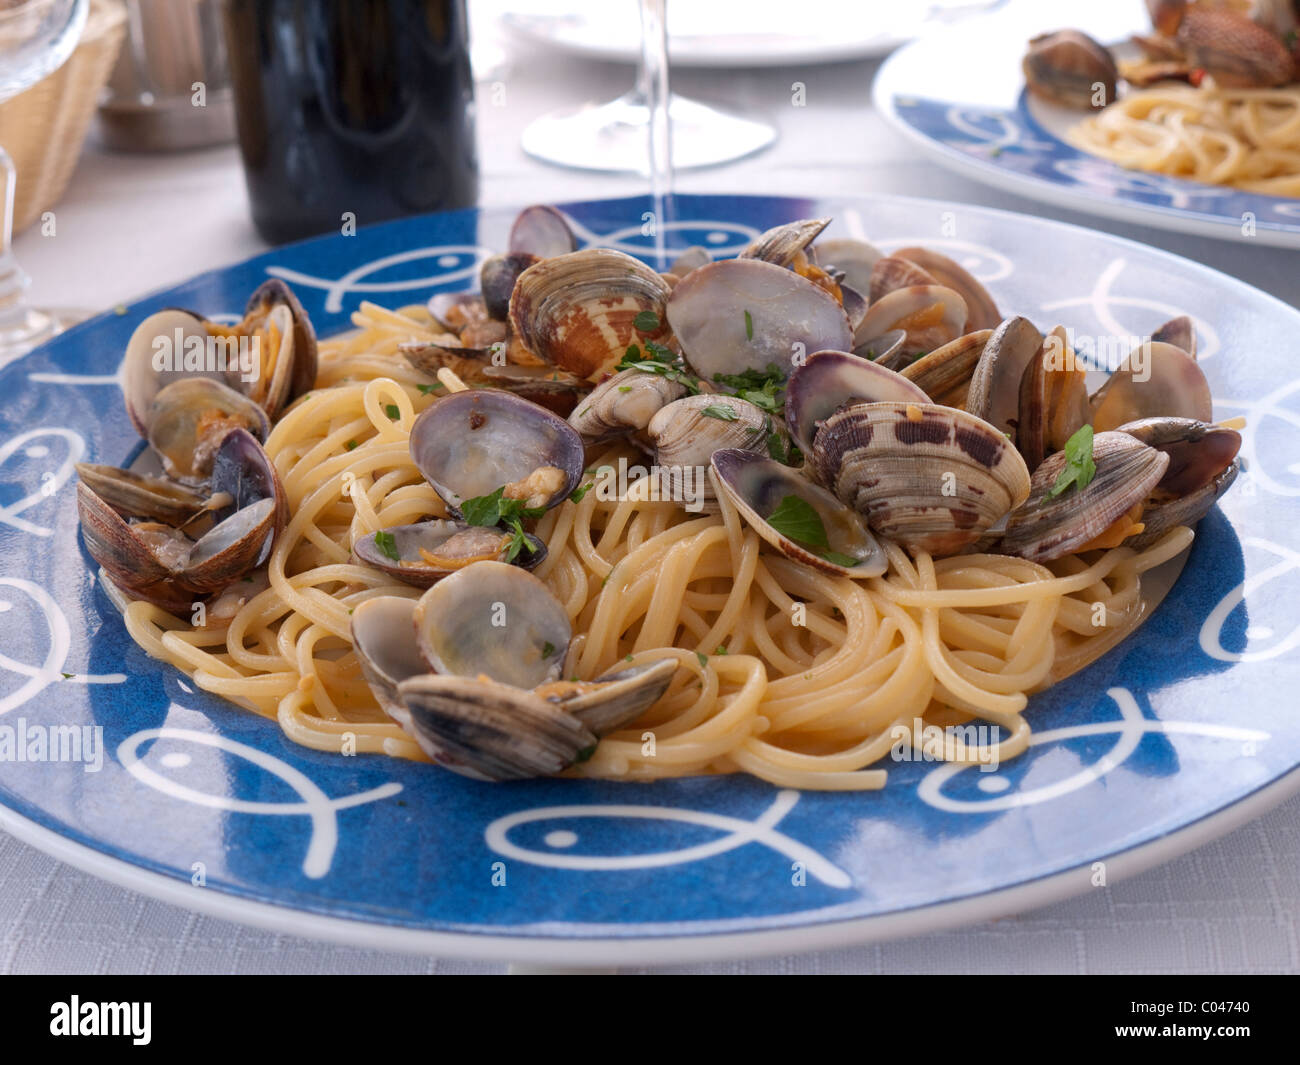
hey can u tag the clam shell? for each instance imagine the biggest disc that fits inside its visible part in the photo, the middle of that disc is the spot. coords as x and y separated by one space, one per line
691 259
189 418
383 636
685 437
1053 400
1198 452
491 731
893 272
138 496
1047 527
930 315
453 545
497 278
782 244
930 478
745 314
1155 380
471 443
300 374
981 310
944 374
1180 332
145 370
888 350
494 620
623 404
756 486
854 258
613 699
831 380
578 311
1159 518
542 231
994 393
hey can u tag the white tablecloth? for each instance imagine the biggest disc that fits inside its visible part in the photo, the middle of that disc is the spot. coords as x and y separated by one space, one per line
130 224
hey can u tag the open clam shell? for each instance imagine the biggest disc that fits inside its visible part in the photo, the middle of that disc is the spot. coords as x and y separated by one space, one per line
579 311
284 381
1053 400
155 358
855 259
1155 380
944 374
430 550
624 404
1045 527
782 244
490 730
497 277
543 231
891 273
495 620
746 314
930 478
140 496
383 635
1180 332
888 350
831 380
930 315
471 443
188 419
613 699
994 393
757 486
981 310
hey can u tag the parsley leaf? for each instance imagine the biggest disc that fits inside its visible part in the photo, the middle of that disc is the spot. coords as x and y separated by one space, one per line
722 412
424 390
749 326
392 411
351 445
659 360
765 389
576 495
495 508
1080 468
586 752
646 322
387 546
797 520
548 649
704 659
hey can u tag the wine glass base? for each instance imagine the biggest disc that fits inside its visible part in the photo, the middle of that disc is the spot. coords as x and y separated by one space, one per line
612 137
25 328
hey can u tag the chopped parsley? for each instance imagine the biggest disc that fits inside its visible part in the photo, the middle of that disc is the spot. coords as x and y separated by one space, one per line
704 659
722 649
548 649
576 495
765 389
392 411
722 412
586 752
495 509
1080 468
387 546
351 445
424 390
777 449
749 326
646 322
659 360
797 520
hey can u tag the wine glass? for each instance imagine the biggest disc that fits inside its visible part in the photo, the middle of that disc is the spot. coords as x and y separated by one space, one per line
36 36
613 137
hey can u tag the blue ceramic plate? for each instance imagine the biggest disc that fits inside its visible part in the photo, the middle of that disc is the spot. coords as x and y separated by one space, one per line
1169 739
975 117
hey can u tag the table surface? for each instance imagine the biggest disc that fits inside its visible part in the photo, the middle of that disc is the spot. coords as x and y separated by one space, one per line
129 224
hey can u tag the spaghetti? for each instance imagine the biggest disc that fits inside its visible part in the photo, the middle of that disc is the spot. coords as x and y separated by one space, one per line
1247 138
794 676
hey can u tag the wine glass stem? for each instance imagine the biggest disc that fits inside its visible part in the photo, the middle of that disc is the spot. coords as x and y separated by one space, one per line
13 282
652 86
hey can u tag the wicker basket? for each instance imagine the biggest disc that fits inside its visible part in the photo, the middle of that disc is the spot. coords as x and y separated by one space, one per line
43 127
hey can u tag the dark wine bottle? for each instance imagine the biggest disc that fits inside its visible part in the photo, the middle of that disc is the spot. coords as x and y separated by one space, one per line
351 110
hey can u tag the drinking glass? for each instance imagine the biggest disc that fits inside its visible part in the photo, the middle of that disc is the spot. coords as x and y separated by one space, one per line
36 36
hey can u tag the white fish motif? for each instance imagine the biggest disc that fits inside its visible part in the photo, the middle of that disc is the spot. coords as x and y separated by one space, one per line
50 671
996 129
315 804
738 833
1102 299
1211 636
457 262
1108 177
49 481
1257 412
1130 729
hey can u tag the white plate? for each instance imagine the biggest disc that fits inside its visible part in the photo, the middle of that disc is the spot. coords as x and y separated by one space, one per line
761 34
975 117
